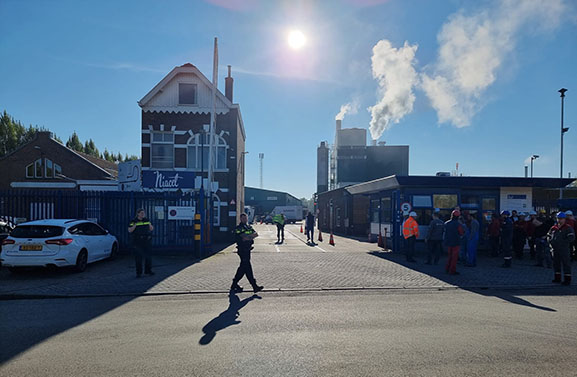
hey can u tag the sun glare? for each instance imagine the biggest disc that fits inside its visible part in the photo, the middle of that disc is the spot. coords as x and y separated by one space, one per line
296 39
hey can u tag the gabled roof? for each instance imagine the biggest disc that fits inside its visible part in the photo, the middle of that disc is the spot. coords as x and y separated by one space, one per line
110 167
185 68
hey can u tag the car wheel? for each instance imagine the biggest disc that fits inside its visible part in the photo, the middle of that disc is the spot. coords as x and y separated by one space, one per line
81 261
114 251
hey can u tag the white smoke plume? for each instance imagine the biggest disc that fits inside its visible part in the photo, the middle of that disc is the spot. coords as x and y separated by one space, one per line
474 47
348 108
394 71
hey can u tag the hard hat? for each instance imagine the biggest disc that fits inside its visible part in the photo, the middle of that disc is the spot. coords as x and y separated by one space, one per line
506 213
413 214
532 213
561 215
456 213
542 211
437 210
569 213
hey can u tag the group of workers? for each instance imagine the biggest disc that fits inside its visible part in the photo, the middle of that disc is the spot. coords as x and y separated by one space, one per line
551 239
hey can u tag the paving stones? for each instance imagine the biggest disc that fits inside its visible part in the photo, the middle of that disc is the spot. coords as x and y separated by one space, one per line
293 265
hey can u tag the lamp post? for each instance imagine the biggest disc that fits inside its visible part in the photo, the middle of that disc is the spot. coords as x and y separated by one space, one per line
534 157
563 130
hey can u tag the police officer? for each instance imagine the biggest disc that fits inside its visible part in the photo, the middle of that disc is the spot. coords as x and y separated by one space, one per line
279 220
141 229
561 236
244 236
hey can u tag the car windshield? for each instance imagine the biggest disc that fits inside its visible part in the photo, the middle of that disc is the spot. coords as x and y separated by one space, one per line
37 231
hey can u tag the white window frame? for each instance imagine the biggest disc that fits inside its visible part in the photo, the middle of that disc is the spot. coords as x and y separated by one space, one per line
46 162
195 94
163 142
39 161
195 145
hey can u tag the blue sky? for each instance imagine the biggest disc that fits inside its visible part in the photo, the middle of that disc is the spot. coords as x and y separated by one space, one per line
473 82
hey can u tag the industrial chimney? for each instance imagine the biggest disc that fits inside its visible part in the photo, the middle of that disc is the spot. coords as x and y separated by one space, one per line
228 86
374 143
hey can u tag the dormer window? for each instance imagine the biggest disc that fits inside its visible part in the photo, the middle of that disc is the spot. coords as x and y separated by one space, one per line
187 94
47 170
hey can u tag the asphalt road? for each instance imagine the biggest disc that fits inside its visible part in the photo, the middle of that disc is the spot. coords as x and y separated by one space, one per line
354 333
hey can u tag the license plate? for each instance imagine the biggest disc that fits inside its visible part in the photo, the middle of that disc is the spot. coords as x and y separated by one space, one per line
30 247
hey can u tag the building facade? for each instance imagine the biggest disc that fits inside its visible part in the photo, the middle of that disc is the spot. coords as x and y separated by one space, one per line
176 117
264 201
45 164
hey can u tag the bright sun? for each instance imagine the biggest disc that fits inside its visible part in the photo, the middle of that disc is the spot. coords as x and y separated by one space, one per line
296 39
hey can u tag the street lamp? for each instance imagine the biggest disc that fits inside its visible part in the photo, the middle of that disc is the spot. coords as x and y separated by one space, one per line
563 130
534 157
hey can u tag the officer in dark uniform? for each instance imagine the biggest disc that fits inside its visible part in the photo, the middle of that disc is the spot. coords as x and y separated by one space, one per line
244 236
141 229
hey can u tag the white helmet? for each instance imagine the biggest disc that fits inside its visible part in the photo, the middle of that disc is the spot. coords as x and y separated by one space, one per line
532 213
413 214
569 213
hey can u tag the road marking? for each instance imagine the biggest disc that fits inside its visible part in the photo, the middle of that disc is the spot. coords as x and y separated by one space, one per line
303 241
276 247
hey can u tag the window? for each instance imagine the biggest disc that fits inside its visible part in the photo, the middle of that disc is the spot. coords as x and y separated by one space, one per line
38 168
386 212
375 211
30 171
422 201
444 201
469 201
57 170
199 149
187 94
489 204
162 150
49 168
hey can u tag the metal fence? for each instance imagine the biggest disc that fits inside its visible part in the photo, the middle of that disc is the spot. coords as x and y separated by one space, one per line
112 210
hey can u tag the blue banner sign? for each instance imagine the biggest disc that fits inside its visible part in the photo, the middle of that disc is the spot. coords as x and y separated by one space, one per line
167 179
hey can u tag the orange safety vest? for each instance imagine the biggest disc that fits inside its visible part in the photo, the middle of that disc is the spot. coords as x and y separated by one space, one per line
410 228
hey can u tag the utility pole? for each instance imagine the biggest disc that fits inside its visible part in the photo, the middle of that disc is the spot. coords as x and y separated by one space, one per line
563 130
260 158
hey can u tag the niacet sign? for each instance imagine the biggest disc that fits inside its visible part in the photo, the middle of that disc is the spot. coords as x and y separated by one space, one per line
167 179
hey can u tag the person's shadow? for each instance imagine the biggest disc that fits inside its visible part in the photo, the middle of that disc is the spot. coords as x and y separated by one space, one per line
226 318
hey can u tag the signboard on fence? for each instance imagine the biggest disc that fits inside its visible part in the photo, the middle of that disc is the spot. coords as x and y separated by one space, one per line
167 179
180 213
516 198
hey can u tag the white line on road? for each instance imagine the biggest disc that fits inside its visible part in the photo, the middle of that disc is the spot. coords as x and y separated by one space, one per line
303 241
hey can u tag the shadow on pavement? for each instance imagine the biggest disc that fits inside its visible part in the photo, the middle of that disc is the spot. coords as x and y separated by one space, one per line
488 274
22 328
225 319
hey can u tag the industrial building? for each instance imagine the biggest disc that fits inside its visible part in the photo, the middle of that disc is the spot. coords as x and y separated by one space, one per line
264 201
350 160
381 205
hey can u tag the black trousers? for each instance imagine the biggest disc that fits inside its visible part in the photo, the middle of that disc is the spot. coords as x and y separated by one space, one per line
411 247
245 268
435 250
280 231
495 245
311 234
562 258
142 254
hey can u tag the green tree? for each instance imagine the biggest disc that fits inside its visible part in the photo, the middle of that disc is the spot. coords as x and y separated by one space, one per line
90 148
119 157
132 157
74 143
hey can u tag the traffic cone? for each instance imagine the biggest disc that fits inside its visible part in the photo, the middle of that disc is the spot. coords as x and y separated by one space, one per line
320 236
380 241
302 228
332 240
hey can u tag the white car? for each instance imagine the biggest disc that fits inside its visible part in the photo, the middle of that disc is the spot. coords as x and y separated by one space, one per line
56 242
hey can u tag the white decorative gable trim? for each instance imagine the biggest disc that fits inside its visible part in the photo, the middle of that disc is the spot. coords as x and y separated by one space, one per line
164 97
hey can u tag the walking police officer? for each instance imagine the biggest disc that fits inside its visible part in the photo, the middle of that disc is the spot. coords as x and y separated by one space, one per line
141 229
244 236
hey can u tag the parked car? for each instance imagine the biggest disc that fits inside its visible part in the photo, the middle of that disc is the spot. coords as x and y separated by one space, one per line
55 242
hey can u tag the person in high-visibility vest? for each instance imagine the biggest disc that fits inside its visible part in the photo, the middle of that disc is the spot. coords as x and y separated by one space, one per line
410 233
140 229
279 220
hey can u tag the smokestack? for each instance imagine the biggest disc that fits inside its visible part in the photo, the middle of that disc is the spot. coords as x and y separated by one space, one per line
228 81
339 125
374 143
526 171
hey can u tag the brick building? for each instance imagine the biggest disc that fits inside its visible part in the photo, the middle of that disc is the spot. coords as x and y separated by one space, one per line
175 139
44 163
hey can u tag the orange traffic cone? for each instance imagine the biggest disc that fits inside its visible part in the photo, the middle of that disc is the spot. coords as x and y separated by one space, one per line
332 240
301 228
380 241
320 236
